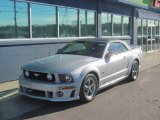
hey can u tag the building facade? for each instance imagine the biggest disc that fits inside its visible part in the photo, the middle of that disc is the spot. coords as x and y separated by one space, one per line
32 29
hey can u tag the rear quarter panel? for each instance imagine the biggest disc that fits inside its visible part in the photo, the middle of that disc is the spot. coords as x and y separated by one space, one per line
135 54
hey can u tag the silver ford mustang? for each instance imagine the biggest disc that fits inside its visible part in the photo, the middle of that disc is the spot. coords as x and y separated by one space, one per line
80 69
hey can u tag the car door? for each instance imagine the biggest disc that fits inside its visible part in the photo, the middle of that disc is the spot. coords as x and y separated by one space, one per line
116 64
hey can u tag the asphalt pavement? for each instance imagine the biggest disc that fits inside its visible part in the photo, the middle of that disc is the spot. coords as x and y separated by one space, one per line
138 100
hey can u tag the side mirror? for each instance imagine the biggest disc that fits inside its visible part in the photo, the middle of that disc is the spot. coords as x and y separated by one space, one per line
110 54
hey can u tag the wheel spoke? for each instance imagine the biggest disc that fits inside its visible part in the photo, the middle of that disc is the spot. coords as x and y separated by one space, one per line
88 82
92 85
88 91
86 86
133 72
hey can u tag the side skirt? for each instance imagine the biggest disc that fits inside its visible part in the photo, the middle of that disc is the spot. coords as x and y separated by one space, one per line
112 82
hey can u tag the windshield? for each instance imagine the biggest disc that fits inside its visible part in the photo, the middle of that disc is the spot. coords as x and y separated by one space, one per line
86 48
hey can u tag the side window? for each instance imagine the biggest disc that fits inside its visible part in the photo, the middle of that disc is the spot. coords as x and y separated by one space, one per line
117 47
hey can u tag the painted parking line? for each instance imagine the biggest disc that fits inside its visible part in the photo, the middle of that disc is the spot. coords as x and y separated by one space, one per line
9 94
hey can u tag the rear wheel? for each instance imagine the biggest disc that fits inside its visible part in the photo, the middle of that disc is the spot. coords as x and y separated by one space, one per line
134 71
88 89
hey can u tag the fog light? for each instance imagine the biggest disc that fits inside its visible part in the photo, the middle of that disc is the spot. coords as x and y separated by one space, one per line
59 94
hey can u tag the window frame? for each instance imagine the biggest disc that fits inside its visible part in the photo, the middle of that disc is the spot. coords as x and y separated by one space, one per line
121 24
112 29
95 21
105 22
15 22
130 25
31 25
77 31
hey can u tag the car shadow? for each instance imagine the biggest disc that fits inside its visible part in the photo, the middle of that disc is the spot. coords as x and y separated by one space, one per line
52 107
30 108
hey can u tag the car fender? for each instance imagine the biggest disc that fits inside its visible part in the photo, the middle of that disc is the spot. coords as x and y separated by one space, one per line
134 57
88 70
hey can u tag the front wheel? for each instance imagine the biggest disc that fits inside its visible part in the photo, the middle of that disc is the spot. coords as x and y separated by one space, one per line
88 88
134 71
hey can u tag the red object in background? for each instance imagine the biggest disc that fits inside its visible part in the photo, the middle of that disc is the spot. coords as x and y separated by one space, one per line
156 3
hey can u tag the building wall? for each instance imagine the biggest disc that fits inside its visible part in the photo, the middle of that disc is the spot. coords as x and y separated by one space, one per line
12 57
16 52
116 8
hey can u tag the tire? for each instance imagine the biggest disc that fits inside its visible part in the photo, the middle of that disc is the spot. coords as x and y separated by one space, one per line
134 71
88 88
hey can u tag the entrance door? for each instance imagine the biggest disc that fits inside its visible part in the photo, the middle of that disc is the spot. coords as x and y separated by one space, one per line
151 38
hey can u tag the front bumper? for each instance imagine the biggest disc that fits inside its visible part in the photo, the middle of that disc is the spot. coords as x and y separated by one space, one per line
48 91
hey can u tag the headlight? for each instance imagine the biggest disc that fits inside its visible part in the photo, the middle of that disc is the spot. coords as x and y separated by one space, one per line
26 73
49 76
65 78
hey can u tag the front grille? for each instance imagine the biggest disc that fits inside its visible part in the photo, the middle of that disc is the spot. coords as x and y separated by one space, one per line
39 76
36 93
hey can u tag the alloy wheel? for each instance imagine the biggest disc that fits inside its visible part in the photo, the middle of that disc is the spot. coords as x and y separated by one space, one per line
135 70
89 89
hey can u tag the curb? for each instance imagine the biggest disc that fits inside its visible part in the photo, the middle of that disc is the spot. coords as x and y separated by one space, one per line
9 85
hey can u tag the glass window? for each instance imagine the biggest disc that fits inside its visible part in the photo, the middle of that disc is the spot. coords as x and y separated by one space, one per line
117 47
144 24
43 21
22 28
7 23
139 27
153 29
68 22
149 32
87 23
157 28
117 25
106 24
126 26
13 19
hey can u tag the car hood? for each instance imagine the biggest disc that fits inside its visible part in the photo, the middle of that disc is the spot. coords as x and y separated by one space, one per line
60 63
